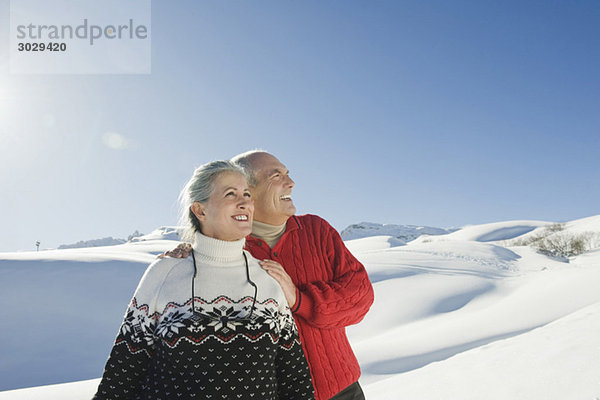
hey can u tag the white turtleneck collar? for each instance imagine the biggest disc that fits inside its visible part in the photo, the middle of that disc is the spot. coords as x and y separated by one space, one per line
217 251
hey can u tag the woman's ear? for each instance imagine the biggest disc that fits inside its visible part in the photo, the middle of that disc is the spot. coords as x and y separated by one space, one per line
198 210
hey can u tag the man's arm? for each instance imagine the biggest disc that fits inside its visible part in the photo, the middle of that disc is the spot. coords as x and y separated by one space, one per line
339 302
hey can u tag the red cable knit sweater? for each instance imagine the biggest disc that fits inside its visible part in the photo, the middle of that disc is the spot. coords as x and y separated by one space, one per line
334 292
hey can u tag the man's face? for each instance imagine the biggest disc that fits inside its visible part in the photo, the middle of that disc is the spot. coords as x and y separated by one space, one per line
273 193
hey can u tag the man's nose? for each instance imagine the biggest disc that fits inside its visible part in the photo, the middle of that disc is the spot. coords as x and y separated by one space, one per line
290 182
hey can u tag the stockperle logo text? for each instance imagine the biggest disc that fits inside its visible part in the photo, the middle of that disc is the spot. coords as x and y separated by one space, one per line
83 31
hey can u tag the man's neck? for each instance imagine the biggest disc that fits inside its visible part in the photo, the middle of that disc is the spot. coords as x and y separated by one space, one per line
276 220
268 232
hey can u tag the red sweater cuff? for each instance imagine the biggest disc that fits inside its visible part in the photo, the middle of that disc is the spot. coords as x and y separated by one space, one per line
303 306
296 305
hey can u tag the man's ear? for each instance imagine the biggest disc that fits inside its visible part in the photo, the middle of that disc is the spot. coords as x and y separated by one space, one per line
199 210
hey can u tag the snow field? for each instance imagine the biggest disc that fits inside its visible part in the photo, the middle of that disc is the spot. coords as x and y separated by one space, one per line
456 316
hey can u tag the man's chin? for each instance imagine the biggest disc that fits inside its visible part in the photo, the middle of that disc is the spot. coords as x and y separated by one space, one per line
291 210
287 211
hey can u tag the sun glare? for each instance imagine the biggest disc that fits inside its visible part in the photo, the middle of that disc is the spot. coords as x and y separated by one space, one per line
21 127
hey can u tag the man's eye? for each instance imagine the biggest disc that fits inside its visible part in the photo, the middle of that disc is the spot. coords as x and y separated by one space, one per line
229 194
247 195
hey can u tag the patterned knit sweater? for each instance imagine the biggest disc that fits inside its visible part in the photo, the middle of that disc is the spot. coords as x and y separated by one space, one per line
334 292
225 349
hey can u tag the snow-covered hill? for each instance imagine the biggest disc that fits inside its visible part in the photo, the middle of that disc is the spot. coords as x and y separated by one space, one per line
107 241
465 315
491 232
162 233
402 233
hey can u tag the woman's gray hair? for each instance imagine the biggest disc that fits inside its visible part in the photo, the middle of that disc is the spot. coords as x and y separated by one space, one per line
199 188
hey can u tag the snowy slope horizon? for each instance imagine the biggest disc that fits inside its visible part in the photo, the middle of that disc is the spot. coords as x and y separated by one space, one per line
443 304
401 233
162 233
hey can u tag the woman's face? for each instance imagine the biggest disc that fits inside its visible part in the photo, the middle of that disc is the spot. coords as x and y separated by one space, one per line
227 215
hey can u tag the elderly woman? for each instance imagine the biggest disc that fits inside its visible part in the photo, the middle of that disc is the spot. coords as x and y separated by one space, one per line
214 325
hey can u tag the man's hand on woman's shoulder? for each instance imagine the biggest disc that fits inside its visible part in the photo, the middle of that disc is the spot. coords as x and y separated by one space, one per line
182 251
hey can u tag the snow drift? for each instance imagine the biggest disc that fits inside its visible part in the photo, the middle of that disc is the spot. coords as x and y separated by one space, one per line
461 315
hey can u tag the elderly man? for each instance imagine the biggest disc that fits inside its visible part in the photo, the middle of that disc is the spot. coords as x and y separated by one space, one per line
326 288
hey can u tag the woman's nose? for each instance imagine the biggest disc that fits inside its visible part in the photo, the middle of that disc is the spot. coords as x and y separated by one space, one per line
244 202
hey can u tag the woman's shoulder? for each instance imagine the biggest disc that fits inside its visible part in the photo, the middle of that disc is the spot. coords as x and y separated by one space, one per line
251 259
268 287
162 267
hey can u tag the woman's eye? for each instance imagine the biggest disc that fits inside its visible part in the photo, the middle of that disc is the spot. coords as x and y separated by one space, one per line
229 194
247 195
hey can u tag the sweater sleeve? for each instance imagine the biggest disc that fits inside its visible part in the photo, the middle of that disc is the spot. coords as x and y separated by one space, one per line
293 375
128 361
345 299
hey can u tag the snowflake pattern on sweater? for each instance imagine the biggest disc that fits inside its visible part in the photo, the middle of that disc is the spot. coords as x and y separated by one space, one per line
222 350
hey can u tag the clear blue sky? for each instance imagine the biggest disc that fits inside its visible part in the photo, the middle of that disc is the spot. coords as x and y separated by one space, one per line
409 112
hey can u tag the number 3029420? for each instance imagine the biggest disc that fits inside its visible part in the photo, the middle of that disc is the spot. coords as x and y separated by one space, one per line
42 46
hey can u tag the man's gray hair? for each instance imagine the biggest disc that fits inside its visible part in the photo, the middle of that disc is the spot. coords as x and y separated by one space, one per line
244 160
199 188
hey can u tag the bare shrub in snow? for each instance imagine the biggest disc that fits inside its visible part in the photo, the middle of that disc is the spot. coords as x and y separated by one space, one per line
529 240
555 227
565 244
554 241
